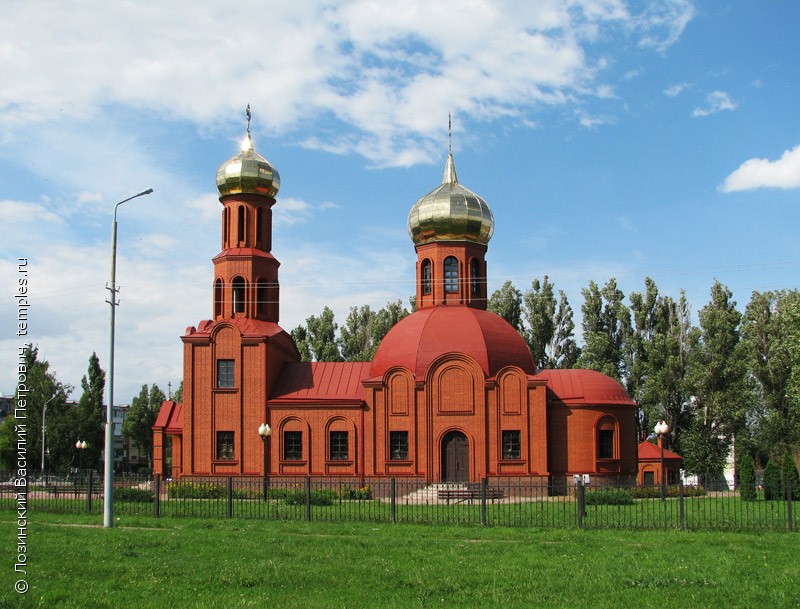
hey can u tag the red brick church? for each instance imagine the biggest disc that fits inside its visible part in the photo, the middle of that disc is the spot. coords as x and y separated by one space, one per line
452 393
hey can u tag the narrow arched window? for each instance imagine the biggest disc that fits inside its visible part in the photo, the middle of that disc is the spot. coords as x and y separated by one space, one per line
475 276
426 276
261 297
218 298
451 275
259 229
238 295
241 223
606 445
226 216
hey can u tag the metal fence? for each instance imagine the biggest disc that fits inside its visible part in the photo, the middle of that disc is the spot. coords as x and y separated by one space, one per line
508 502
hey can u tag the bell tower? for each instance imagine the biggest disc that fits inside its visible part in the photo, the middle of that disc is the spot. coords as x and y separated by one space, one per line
451 227
245 271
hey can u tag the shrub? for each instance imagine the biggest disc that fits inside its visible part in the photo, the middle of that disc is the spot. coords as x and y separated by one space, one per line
130 493
772 481
361 493
317 497
747 479
789 472
651 492
196 490
611 496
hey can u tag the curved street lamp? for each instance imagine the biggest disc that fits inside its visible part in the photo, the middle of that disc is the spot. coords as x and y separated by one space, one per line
265 431
661 429
108 479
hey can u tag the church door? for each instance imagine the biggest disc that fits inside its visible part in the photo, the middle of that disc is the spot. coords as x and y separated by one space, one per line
455 457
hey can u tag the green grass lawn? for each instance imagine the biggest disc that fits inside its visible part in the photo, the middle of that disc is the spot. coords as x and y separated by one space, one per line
185 562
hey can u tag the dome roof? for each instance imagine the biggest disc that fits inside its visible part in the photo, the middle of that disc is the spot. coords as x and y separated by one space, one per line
415 341
248 172
585 387
450 213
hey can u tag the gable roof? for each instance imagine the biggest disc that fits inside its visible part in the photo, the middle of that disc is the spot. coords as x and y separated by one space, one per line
320 382
650 452
170 417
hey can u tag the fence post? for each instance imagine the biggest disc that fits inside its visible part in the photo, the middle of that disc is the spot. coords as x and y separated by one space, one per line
308 498
230 496
89 493
789 504
484 487
393 499
581 503
681 496
157 495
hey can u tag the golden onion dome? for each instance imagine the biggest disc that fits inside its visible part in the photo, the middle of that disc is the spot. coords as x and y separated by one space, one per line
450 213
248 172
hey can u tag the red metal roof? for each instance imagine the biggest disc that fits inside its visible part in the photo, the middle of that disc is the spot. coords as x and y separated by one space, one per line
320 382
247 327
650 452
587 387
420 338
170 417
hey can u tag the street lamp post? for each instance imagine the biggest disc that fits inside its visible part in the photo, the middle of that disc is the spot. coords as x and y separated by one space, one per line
661 429
44 427
108 492
81 446
265 431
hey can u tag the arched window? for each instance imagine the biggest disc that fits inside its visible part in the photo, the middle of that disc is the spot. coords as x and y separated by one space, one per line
606 446
218 298
261 297
450 275
475 276
426 276
238 295
259 229
241 224
226 220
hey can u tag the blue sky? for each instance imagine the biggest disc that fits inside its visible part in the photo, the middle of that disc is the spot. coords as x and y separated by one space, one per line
610 138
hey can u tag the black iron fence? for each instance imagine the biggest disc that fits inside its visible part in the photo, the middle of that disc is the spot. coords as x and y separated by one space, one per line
507 502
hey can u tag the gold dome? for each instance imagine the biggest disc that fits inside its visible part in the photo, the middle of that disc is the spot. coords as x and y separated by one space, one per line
248 172
450 213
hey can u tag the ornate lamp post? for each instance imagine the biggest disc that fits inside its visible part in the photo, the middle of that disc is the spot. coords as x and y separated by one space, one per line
661 429
81 446
265 431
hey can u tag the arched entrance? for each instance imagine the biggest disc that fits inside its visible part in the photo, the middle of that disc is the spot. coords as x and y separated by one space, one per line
455 457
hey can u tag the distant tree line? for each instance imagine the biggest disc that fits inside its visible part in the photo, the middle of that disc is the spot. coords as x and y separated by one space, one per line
732 381
67 423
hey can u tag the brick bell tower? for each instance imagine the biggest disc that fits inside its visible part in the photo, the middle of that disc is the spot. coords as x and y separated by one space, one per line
231 361
451 227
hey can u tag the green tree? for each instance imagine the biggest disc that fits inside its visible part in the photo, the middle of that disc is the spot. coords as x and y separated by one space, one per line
357 335
321 337
507 303
91 413
564 351
41 388
606 323
789 475
385 320
767 329
717 373
178 395
747 478
540 312
772 481
300 336
138 424
667 340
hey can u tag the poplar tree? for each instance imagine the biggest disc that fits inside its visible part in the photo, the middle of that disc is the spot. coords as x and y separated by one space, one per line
91 414
606 323
142 415
357 335
506 301
540 312
321 337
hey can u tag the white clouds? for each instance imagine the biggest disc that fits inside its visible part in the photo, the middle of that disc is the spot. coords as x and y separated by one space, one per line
676 89
763 173
715 102
388 70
